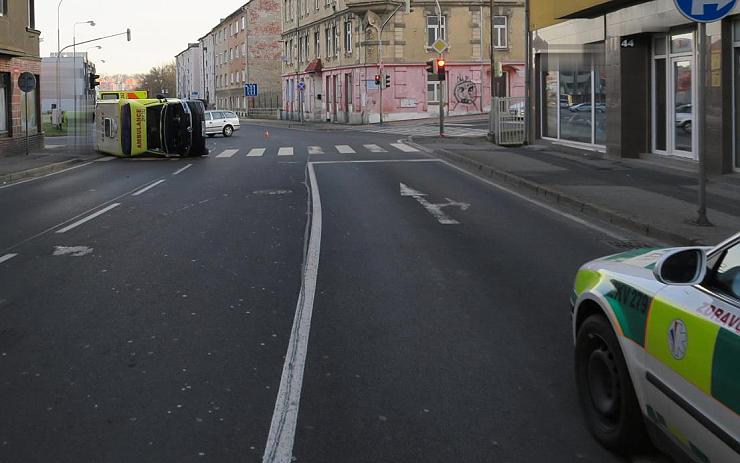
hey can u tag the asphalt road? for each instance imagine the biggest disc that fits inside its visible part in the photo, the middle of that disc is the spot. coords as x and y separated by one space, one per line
147 310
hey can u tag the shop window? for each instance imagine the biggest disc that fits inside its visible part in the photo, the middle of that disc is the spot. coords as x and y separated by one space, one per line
436 28
682 43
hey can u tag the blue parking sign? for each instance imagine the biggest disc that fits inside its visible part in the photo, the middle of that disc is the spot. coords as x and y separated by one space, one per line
250 90
705 11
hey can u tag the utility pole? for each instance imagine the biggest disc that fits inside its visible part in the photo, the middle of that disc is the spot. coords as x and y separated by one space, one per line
381 67
492 135
528 135
701 44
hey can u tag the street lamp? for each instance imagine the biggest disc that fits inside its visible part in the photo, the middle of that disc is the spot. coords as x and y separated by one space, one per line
74 70
59 97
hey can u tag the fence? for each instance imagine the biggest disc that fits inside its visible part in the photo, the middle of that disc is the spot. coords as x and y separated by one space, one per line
507 120
264 106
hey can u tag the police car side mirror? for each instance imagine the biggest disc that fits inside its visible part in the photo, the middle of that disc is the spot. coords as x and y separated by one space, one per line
681 267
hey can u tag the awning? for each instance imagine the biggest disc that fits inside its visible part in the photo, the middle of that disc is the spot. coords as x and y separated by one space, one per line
601 9
314 66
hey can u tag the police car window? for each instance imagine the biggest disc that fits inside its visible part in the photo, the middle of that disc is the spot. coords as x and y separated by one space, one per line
727 273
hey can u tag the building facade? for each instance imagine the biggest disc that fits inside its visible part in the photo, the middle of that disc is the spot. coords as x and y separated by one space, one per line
621 77
247 49
334 48
189 72
208 89
19 52
73 81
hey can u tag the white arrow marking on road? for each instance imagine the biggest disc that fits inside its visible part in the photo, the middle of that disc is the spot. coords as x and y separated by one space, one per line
435 209
74 251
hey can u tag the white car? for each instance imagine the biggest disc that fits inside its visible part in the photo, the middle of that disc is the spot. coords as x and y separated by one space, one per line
223 122
657 343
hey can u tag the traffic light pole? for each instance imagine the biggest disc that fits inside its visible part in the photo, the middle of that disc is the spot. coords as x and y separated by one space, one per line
442 82
381 67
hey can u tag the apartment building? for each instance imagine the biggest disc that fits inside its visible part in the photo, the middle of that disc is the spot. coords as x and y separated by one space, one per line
247 49
189 72
19 52
208 89
334 48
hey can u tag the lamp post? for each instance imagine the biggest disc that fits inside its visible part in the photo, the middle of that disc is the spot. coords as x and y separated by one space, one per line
74 70
205 85
59 97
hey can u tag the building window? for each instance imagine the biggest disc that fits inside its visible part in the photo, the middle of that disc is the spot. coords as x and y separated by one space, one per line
4 102
300 49
500 32
432 91
328 42
3 7
435 29
317 4
348 36
335 39
317 39
244 22
31 15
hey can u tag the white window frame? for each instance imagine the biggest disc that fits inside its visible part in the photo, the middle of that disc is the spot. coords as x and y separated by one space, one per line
244 22
501 33
4 4
436 91
348 36
436 29
335 34
317 39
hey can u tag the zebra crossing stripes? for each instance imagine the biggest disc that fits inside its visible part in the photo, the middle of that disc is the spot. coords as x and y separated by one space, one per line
404 148
315 150
256 152
227 153
375 149
345 149
285 151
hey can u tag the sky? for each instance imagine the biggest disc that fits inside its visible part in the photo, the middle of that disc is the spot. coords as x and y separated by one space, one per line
160 29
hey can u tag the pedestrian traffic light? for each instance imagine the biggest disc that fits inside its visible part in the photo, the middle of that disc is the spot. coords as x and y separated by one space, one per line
93 80
430 67
441 68
377 80
387 80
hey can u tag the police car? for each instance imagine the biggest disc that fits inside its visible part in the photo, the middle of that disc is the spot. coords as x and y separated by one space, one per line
657 350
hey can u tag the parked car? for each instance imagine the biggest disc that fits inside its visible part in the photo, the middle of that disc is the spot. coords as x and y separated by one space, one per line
683 117
586 107
657 339
223 122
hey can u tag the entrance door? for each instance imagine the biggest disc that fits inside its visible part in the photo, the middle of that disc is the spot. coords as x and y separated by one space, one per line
681 109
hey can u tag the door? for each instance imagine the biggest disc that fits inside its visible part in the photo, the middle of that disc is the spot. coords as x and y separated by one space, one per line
681 109
693 343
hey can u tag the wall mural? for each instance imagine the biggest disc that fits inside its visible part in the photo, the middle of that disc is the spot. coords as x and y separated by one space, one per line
466 93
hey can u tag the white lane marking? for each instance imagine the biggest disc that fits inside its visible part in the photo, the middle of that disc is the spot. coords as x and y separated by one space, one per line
315 150
344 149
256 152
148 187
375 149
47 175
105 159
285 151
7 257
227 153
279 446
404 147
74 251
88 218
182 169
545 206
377 161
434 209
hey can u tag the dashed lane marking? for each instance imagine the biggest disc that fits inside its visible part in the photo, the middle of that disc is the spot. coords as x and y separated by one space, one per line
182 169
88 218
147 188
7 257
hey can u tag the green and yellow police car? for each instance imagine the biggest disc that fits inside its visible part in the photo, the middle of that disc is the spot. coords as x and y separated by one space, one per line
657 350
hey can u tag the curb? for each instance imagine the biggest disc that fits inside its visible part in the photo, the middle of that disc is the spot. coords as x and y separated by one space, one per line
551 195
39 171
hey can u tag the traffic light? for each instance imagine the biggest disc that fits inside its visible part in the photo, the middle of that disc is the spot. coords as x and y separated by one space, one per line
430 67
387 80
93 80
441 68
128 35
377 80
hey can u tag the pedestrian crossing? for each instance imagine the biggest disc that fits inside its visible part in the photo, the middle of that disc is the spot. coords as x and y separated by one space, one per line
284 151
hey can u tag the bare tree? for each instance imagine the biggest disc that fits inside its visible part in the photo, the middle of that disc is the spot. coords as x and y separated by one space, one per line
160 80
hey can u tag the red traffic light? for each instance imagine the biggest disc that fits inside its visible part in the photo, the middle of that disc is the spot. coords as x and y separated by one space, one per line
440 63
377 78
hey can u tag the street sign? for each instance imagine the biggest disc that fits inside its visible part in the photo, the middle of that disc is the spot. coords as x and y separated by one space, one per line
705 11
301 86
440 46
250 90
27 82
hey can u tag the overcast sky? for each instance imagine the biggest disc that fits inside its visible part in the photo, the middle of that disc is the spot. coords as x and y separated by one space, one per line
160 29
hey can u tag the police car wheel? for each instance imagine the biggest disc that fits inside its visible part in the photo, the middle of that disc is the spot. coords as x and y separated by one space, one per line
228 131
605 389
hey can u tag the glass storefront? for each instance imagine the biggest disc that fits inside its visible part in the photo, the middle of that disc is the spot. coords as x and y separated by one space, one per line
736 71
673 94
574 96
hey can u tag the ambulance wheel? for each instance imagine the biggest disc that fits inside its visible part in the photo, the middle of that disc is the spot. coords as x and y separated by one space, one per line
605 389
228 131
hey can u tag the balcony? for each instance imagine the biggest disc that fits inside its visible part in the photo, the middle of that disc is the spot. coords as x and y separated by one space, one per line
379 7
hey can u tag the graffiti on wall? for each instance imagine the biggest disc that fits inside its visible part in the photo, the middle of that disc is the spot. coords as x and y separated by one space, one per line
466 93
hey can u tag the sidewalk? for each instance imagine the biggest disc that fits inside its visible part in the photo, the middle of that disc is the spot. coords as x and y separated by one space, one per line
656 199
52 159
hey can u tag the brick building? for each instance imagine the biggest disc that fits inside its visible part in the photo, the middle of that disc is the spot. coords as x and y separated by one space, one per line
246 46
334 48
19 52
